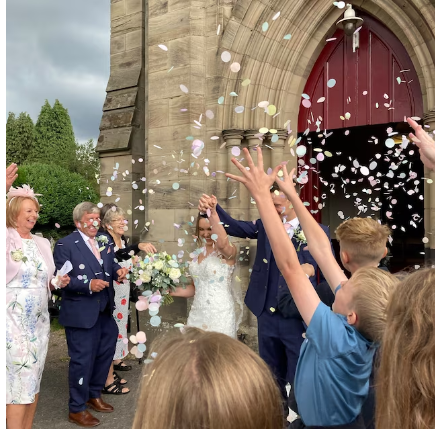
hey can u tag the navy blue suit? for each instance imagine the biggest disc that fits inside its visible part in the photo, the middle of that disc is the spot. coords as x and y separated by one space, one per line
90 329
279 338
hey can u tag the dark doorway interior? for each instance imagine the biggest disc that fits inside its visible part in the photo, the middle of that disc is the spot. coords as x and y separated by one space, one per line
397 198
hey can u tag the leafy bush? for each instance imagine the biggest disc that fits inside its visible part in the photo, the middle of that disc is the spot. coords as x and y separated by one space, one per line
61 191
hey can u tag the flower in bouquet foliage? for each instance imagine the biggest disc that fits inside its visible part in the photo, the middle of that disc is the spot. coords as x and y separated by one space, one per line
145 277
174 273
158 265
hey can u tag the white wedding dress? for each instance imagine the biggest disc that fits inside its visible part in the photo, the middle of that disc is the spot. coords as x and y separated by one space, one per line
217 305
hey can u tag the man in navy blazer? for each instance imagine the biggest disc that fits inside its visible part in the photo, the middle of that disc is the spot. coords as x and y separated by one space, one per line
86 312
279 332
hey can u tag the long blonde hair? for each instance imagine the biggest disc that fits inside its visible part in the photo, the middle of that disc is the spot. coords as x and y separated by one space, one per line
207 380
405 395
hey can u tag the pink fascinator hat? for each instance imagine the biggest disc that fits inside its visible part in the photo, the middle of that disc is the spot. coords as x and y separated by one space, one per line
25 191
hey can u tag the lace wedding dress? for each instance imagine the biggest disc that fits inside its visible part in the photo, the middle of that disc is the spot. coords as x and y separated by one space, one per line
217 305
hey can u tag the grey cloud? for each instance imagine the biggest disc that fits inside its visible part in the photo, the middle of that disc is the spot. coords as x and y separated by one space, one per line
58 49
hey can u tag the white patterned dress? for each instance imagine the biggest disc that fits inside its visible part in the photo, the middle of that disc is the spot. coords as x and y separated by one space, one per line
216 305
27 327
120 313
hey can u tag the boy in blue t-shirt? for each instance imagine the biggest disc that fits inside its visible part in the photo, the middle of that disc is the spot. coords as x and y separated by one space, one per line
332 376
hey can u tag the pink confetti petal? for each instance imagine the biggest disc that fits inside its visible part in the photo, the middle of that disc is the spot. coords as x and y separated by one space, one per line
306 103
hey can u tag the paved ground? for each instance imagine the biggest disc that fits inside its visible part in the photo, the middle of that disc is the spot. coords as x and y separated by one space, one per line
52 411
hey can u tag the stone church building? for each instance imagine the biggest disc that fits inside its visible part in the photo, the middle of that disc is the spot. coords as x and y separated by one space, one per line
187 75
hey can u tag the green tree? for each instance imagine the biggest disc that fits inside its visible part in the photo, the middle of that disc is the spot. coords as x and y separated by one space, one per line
54 137
19 137
87 162
60 192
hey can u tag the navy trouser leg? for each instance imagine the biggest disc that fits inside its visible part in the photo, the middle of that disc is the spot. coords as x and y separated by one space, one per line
291 331
106 345
82 348
272 351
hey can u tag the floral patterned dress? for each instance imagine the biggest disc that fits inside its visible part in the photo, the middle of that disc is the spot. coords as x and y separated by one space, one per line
27 327
120 313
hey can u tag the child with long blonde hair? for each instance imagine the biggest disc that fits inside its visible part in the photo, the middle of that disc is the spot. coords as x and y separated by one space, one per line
332 376
207 380
405 395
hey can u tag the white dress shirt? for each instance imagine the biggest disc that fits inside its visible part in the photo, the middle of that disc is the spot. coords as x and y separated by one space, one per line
291 226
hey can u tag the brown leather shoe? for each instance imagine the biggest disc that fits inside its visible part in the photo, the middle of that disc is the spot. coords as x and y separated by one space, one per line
84 419
99 405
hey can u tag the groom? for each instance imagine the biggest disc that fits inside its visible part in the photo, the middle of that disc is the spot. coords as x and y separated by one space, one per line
280 326
86 312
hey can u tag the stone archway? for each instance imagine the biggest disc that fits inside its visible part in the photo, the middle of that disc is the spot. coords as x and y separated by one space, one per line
278 68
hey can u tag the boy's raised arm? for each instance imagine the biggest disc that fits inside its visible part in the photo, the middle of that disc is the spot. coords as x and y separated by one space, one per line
318 242
258 183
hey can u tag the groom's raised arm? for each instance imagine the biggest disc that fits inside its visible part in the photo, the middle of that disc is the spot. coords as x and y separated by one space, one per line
237 228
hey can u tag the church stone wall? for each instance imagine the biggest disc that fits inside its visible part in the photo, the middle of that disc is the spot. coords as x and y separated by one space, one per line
146 115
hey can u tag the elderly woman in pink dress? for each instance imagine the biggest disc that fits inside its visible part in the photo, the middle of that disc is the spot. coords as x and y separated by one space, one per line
29 279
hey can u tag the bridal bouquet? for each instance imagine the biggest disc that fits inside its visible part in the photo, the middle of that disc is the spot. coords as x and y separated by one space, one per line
158 272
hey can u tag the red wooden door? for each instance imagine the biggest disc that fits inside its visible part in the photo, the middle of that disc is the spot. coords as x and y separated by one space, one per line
377 84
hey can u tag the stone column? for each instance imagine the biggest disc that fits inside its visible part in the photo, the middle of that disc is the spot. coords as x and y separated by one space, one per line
429 198
253 215
233 138
122 129
252 143
277 154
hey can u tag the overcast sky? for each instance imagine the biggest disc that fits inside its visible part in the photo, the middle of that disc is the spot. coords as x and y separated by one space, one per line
58 49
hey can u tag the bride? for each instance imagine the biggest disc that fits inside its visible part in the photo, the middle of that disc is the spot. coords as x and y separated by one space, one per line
217 304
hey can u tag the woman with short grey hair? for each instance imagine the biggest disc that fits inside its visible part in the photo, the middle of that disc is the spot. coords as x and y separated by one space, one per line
114 225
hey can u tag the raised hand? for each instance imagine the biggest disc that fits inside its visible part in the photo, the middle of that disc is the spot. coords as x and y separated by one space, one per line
11 175
287 185
255 179
425 144
207 203
147 248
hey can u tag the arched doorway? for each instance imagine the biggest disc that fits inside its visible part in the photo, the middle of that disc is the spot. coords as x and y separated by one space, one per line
351 122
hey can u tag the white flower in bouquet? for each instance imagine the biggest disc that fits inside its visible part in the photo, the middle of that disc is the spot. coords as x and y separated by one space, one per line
174 273
145 277
158 265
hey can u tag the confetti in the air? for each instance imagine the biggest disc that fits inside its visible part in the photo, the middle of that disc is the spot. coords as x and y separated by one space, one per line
226 57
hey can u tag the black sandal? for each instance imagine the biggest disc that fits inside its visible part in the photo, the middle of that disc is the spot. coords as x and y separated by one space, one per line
114 389
122 367
118 379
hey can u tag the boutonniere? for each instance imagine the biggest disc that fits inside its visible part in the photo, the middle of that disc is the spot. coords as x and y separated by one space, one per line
300 237
102 240
18 255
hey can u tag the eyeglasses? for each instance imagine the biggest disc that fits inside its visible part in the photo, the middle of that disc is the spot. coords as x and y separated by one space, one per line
118 221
